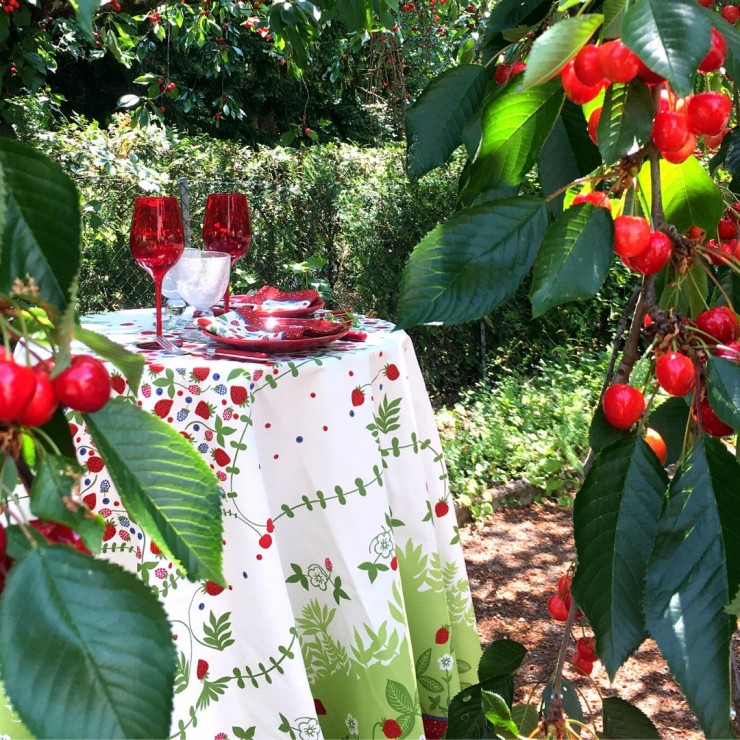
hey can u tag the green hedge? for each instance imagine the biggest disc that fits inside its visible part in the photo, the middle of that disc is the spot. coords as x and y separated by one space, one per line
351 207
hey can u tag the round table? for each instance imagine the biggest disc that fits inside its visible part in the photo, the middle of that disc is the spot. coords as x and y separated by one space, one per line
348 610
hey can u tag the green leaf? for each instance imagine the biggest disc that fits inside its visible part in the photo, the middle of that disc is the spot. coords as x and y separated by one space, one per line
690 196
615 518
435 122
498 714
85 11
574 258
472 263
526 718
571 703
559 43
568 153
614 11
165 485
693 571
498 664
687 293
515 126
130 364
626 118
92 682
732 39
398 697
624 720
50 492
670 37
466 716
41 234
723 389
508 15
670 420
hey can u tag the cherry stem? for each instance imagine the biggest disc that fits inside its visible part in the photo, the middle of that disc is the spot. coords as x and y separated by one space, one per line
557 683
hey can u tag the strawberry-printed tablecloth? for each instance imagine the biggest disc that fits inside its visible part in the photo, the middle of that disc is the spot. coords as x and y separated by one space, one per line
348 610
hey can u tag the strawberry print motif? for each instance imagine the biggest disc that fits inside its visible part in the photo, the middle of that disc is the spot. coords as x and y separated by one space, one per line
257 375
73 429
156 369
213 588
319 707
162 408
358 397
441 508
200 373
220 457
95 464
209 435
202 670
391 728
109 532
238 395
118 384
203 410
391 372
154 548
443 634
434 727
90 501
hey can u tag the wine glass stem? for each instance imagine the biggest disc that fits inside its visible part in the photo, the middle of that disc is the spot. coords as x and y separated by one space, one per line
158 304
226 298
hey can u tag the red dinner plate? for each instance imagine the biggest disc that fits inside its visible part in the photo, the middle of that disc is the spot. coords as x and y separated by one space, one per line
253 301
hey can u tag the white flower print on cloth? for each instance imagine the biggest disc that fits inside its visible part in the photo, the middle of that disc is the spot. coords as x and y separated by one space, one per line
308 729
383 545
317 576
352 725
446 662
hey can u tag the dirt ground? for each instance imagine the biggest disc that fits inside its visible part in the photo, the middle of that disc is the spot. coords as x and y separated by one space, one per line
514 562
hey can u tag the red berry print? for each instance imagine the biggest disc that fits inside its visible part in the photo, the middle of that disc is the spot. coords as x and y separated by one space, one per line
202 670
203 410
394 563
328 565
162 408
213 588
156 369
109 532
95 464
270 526
118 384
265 541
154 548
434 727
221 458
319 707
391 729
200 373
441 508
443 634
358 397
90 500
391 372
238 394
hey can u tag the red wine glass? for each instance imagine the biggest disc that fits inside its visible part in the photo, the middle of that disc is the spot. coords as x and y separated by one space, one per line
157 241
226 227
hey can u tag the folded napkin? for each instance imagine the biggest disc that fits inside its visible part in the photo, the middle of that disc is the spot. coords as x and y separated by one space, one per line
232 325
245 324
272 299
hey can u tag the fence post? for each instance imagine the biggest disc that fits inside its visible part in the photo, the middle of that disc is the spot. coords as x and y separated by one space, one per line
185 208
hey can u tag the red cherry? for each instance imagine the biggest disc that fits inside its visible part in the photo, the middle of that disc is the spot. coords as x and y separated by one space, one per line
84 385
586 646
631 235
656 443
623 405
730 13
17 386
43 403
595 198
727 228
708 112
706 3
676 373
3 541
720 323
730 351
618 63
564 586
557 608
518 67
710 422
646 74
683 153
654 258
575 90
582 666
719 254
502 73
59 534
733 212
715 58
670 131
593 124
587 68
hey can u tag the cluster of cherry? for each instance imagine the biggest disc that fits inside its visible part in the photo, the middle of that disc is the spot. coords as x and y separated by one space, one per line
558 606
29 396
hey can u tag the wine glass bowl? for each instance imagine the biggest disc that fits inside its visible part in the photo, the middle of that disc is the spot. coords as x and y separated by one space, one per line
157 241
227 227
202 278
